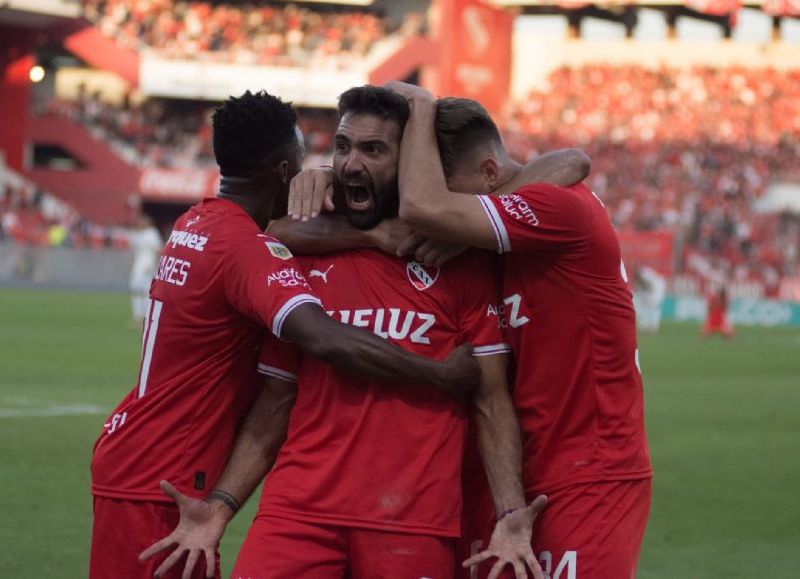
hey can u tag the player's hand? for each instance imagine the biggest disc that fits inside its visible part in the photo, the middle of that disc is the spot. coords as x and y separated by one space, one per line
311 191
435 253
412 92
425 250
460 371
390 235
198 533
511 543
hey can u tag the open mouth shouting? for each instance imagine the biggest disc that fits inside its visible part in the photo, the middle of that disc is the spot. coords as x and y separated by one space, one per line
358 196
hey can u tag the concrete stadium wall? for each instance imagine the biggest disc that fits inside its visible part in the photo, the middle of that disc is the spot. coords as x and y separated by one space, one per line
64 268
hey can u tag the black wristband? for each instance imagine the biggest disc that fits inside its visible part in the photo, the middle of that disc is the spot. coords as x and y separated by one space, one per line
227 498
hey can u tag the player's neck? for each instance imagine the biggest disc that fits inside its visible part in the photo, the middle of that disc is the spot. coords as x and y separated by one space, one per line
251 195
506 182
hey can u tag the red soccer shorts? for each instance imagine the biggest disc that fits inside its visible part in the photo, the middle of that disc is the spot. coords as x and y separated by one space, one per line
591 531
278 548
123 529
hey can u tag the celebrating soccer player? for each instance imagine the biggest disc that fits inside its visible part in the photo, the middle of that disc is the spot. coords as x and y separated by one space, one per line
368 481
221 281
571 322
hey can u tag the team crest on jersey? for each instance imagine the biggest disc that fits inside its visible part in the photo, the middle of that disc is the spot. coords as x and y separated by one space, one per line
420 276
278 250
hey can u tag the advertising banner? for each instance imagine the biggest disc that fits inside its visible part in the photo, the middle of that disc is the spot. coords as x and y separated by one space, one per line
651 248
182 185
475 51
217 81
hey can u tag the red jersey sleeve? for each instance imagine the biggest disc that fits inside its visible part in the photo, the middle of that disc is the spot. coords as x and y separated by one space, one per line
479 322
539 217
279 359
265 282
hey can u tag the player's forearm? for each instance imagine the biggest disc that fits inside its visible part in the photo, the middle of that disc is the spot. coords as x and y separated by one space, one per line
325 234
423 188
500 447
256 445
362 352
562 167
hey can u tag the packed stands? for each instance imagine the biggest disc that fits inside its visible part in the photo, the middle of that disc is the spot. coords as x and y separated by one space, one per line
274 34
683 150
31 217
174 134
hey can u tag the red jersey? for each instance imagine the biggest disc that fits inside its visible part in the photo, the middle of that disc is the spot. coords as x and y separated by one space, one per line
369 454
219 282
571 323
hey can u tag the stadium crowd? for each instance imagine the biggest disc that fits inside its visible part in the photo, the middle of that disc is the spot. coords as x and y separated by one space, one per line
689 151
29 216
684 150
174 134
280 35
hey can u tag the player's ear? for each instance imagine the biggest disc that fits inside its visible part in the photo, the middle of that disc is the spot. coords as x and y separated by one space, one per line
490 171
283 171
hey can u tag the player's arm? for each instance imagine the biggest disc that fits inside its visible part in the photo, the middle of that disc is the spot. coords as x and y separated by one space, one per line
203 522
499 439
561 167
426 203
500 447
362 352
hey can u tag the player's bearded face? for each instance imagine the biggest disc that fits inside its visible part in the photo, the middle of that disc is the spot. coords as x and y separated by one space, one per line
365 161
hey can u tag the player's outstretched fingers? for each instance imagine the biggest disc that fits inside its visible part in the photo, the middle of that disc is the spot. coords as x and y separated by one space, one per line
191 561
477 559
538 504
534 566
155 548
211 563
168 563
172 492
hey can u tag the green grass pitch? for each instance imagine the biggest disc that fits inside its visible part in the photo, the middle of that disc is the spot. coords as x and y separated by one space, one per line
723 419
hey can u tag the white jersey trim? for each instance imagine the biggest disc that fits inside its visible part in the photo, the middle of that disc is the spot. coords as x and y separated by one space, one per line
286 309
276 373
491 350
500 232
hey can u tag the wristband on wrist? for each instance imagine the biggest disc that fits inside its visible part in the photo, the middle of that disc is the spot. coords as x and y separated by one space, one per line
226 498
505 514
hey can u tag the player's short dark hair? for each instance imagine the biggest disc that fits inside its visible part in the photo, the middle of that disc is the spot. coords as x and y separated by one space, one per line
375 100
249 129
461 125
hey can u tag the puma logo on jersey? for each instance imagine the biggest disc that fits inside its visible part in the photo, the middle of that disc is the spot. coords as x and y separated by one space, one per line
420 276
397 325
322 274
192 221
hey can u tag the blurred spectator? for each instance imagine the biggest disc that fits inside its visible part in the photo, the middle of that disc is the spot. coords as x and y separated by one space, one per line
275 34
685 150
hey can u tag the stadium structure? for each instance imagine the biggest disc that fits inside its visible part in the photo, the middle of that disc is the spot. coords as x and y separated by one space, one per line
690 111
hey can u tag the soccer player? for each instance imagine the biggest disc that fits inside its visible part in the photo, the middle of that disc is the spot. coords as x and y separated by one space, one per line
578 389
649 291
220 282
717 315
367 483
146 244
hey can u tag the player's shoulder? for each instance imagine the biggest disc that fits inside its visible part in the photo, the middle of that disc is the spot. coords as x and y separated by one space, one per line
469 267
577 192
